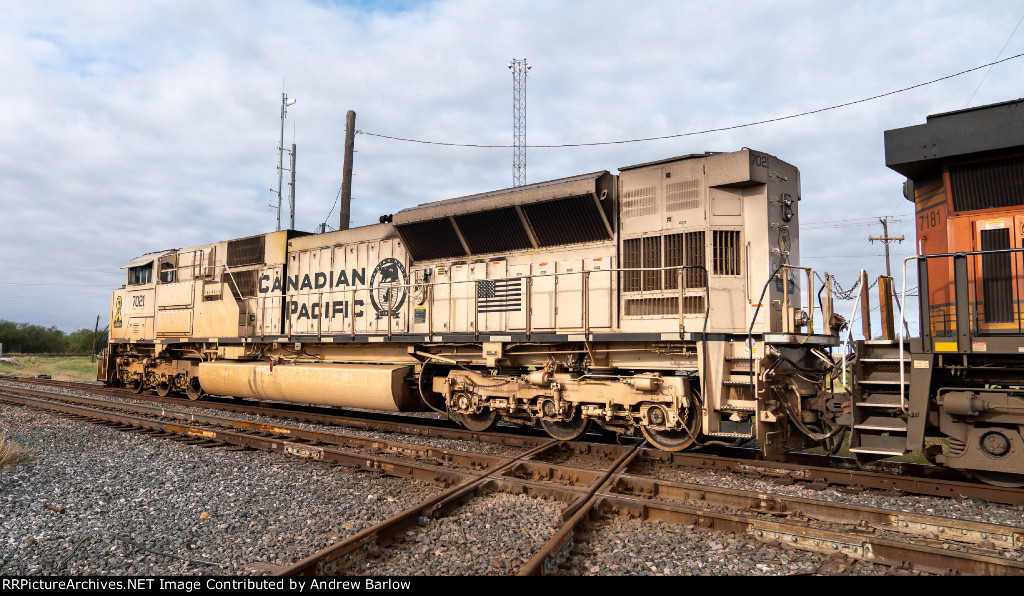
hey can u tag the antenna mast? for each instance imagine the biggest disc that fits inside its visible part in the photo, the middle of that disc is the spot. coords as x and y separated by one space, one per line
519 69
285 102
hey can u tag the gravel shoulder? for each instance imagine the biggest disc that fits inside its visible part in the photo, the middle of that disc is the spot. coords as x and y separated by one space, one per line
213 511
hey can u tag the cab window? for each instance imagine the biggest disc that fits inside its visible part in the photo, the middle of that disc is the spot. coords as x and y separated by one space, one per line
166 273
143 274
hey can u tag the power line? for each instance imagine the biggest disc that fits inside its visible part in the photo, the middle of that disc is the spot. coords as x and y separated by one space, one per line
997 57
848 223
699 132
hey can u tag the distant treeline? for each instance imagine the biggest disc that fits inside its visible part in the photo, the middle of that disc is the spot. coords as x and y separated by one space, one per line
22 338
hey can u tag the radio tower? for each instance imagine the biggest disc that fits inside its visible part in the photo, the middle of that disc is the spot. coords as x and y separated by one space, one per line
519 69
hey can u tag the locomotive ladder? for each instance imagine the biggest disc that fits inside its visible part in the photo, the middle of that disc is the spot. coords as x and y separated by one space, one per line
739 402
879 428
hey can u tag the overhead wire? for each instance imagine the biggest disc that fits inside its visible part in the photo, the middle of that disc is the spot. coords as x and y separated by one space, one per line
699 132
980 83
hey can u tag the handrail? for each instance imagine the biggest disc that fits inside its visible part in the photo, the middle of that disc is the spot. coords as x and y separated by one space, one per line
903 301
679 292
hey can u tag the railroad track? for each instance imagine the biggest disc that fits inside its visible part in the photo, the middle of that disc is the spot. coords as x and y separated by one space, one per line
588 483
815 470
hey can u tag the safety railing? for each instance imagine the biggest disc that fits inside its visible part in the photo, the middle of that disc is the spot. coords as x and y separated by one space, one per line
1001 286
390 302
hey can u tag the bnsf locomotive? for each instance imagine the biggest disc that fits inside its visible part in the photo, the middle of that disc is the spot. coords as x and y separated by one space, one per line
963 378
668 299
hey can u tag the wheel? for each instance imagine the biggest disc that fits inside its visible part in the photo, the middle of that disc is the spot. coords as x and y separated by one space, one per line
668 440
1003 479
163 389
482 422
676 440
136 386
567 431
193 389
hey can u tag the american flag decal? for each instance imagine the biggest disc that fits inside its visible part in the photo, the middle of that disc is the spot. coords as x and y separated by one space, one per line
499 295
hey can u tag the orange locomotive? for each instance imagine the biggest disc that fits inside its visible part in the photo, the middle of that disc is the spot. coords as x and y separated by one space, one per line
962 379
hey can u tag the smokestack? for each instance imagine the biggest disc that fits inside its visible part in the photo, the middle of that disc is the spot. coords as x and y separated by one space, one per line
345 208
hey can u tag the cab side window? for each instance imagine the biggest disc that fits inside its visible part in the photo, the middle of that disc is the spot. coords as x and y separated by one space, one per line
140 275
167 273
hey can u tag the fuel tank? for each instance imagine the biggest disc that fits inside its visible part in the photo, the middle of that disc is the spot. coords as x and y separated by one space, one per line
370 386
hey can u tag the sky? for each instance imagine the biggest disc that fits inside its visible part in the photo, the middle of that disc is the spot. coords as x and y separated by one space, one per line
130 127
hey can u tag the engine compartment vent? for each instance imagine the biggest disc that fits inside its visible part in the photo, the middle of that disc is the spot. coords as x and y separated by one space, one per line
571 210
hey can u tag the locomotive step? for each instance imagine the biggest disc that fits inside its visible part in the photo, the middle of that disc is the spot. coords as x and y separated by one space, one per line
877 451
881 400
878 444
738 408
731 435
883 423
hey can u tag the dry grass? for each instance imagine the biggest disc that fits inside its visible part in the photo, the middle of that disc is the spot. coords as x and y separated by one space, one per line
68 368
12 453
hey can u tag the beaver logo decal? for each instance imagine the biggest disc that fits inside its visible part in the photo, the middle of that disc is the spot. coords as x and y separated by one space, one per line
389 287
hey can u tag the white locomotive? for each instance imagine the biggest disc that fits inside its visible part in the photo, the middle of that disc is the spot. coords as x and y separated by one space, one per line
666 299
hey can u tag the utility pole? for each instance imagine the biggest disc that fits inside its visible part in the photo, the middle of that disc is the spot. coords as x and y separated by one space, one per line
519 69
285 102
345 206
886 289
886 239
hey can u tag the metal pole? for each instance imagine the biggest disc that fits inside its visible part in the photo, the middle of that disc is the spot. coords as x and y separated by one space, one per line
95 332
291 199
285 102
345 208
280 159
865 304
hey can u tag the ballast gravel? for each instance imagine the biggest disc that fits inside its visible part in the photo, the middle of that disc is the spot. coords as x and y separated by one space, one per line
136 505
977 510
491 535
660 548
209 511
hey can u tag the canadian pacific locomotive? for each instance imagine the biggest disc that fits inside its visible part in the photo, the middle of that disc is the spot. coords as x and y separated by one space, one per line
667 299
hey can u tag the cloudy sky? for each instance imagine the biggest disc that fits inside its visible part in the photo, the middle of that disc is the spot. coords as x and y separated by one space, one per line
128 127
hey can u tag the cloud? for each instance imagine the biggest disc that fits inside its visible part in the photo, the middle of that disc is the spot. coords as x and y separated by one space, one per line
131 127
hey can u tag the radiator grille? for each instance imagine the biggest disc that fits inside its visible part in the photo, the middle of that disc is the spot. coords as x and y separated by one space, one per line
656 307
693 305
674 250
725 249
695 257
631 260
638 202
682 195
566 221
987 185
651 260
246 281
246 251
673 258
433 239
493 231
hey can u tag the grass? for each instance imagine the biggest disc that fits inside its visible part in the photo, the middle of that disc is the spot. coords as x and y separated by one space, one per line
12 453
69 368
913 457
